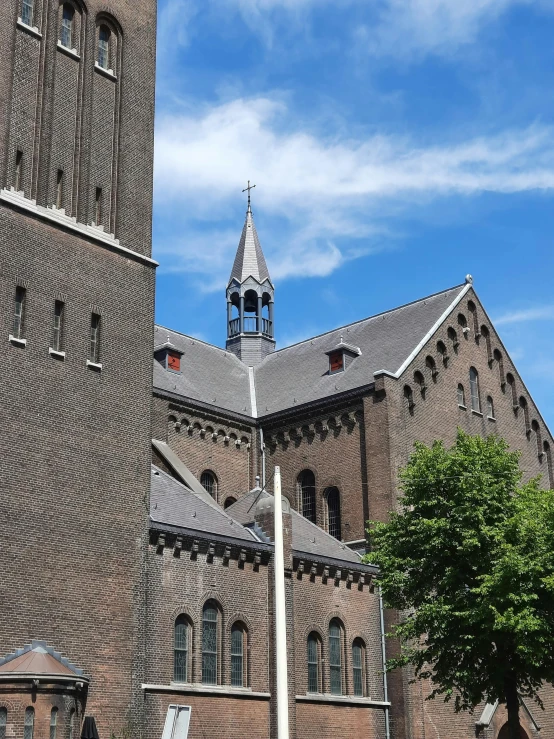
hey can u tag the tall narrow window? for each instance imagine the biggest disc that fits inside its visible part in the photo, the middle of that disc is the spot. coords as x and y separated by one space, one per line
53 722
3 722
306 485
72 724
98 207
59 189
335 658
238 661
57 329
474 390
358 667
209 483
525 408
500 362
181 650
490 407
94 351
29 727
104 34
314 663
18 183
547 451
209 644
19 312
537 429
66 31
27 12
333 512
461 396
513 390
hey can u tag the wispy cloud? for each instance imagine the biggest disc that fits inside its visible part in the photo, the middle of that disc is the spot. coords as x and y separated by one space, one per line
540 313
327 190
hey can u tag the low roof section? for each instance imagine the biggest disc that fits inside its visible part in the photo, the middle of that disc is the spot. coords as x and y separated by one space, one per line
39 661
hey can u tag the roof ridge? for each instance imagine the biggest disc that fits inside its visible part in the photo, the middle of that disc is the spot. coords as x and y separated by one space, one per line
368 318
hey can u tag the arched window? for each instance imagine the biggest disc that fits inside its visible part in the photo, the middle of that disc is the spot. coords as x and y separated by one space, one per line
314 663
538 438
462 322
453 336
409 396
209 482
229 501
525 408
500 362
490 407
53 722
104 38
486 335
306 495
3 722
29 728
420 381
181 650
66 30
431 365
335 657
474 390
72 724
461 396
547 451
441 348
473 311
512 383
210 628
239 636
333 512
27 12
358 667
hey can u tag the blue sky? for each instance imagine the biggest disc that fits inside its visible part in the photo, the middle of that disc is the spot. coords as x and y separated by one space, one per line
396 145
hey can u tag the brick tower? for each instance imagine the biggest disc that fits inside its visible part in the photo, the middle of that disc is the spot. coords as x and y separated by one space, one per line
76 326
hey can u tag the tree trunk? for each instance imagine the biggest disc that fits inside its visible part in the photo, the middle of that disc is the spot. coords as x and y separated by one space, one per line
512 704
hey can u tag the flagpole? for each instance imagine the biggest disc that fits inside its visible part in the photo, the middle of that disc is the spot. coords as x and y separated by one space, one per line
280 616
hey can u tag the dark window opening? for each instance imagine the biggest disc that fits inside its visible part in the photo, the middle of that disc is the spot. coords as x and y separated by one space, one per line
333 512
94 351
19 313
104 35
181 650
306 483
229 502
18 184
57 329
98 207
174 361
336 362
209 483
59 189
66 31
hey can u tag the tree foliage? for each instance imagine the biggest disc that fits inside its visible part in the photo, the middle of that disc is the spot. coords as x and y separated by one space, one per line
468 561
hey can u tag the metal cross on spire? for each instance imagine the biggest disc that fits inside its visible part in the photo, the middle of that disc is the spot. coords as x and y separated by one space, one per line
250 187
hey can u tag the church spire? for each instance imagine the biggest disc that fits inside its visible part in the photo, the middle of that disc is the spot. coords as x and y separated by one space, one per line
250 295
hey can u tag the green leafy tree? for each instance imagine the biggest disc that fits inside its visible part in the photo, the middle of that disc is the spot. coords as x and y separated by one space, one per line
468 561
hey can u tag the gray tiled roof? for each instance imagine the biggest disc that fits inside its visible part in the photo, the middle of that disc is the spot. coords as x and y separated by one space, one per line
306 536
249 260
173 504
299 374
208 374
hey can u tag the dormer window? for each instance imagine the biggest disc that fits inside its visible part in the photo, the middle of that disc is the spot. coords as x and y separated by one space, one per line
174 361
336 362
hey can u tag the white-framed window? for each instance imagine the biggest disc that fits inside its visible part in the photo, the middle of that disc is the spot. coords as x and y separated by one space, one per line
461 396
57 328
474 390
490 407
177 722
94 350
27 12
53 722
66 29
104 36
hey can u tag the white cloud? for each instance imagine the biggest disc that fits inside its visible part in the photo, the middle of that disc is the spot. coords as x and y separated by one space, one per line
540 313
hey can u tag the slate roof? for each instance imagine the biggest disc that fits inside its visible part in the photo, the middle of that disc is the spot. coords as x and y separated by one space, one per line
299 373
249 259
307 538
173 504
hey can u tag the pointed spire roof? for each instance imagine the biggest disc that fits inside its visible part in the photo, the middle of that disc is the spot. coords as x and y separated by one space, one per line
249 260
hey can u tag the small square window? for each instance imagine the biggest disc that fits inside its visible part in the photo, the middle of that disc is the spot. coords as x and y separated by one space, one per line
336 362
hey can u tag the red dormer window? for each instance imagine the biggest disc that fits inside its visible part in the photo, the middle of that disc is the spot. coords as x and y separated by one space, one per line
336 362
174 361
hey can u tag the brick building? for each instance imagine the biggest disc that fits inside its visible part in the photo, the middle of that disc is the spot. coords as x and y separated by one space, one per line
137 564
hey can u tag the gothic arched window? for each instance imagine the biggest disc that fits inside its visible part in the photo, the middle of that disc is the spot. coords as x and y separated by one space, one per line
239 638
210 643
306 490
335 657
500 362
358 667
523 405
29 727
333 512
490 407
461 396
53 722
209 482
229 501
474 390
27 12
66 30
314 663
104 39
3 722
181 649
72 724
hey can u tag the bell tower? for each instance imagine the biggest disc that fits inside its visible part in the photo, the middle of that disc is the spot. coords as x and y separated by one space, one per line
250 299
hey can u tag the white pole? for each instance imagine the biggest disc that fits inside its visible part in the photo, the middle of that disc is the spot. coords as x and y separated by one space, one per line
280 617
